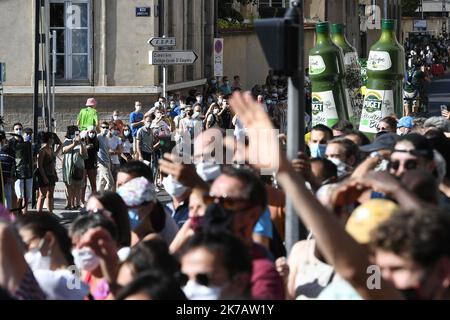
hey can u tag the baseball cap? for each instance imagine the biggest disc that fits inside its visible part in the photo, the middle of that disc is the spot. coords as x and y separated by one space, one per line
405 122
367 217
137 192
385 141
91 102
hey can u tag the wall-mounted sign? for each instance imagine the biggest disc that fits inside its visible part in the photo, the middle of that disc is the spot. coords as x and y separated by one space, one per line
143 12
420 24
218 57
2 72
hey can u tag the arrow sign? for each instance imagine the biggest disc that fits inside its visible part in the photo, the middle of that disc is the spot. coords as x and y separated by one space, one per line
163 42
161 58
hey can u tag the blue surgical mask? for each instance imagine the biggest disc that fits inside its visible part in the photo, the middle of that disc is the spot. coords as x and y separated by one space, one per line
27 138
133 215
317 150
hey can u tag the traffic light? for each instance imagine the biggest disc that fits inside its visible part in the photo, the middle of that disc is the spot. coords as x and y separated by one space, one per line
279 40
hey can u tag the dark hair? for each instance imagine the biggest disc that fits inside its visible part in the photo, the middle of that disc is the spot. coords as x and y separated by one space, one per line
351 148
364 140
82 224
112 202
236 77
391 121
234 254
45 136
130 136
105 123
329 169
40 224
422 235
439 142
420 144
153 255
137 169
254 189
71 130
328 132
343 125
422 184
17 124
157 285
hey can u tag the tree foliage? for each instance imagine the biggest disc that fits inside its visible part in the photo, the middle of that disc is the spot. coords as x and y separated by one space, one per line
227 12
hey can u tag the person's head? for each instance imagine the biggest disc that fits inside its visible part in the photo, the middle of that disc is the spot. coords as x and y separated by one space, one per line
197 209
46 241
148 121
152 285
172 104
324 171
343 153
412 151
225 80
71 130
149 255
127 132
112 202
260 98
241 192
320 135
216 266
237 78
405 125
161 99
199 97
422 184
28 134
138 106
104 128
85 258
439 123
91 132
413 251
113 130
145 212
358 137
388 124
341 128
91 102
158 113
116 115
133 169
46 138
198 109
189 111
418 125
3 140
18 128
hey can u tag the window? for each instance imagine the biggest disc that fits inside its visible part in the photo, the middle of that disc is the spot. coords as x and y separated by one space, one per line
72 23
272 3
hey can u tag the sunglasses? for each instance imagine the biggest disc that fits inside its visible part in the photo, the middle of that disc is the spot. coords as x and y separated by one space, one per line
102 212
203 279
230 204
382 129
408 165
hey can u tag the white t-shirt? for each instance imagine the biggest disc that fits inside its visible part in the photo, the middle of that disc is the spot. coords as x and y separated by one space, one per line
61 285
113 143
127 146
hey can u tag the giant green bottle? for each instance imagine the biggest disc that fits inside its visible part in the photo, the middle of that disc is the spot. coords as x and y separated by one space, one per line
385 74
352 72
326 70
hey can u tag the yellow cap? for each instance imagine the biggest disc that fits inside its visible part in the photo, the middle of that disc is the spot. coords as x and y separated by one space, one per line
367 217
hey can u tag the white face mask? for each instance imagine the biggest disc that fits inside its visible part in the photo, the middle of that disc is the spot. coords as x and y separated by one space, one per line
105 131
85 259
92 135
138 108
216 111
148 125
195 291
208 171
126 133
115 118
341 166
36 260
199 99
173 187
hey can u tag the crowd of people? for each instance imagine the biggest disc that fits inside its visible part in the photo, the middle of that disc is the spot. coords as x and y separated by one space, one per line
376 211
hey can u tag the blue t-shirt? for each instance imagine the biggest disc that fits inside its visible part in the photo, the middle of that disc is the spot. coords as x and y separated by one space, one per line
264 225
136 117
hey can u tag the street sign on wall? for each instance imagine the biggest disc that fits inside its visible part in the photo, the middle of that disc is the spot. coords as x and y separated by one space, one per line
2 72
218 57
162 42
161 58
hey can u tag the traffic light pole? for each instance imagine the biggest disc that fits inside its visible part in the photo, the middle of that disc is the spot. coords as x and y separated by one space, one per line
37 31
296 122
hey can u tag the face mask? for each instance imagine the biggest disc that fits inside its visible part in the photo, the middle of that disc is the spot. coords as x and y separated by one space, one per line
210 100
269 102
216 111
105 131
148 125
27 138
317 150
115 118
182 114
115 133
36 260
400 132
199 99
138 108
213 81
173 187
196 114
126 133
227 83
220 101
195 291
197 223
341 166
18 132
92 135
208 171
85 259
72 136
133 216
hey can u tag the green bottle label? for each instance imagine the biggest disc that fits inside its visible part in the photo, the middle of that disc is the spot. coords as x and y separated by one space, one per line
379 61
377 105
324 109
316 65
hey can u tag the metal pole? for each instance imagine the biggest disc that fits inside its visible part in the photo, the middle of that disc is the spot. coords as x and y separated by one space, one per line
1 100
296 124
47 67
164 81
36 68
421 8
52 112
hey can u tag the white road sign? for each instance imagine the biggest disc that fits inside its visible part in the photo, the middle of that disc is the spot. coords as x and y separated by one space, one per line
161 58
218 57
163 42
